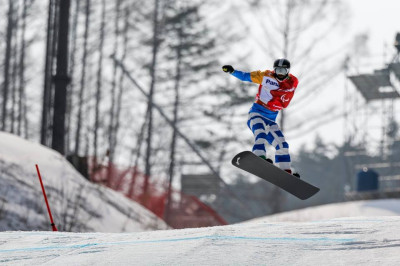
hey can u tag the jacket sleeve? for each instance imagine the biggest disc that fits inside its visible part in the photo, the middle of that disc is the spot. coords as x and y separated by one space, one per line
244 76
257 76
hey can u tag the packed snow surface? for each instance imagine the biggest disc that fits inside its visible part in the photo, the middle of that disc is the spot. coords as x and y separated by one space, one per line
344 241
367 208
312 236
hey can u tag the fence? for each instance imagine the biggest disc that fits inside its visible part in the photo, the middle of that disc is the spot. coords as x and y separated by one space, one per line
184 211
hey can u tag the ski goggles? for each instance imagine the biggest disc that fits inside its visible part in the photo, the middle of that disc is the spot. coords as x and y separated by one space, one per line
281 71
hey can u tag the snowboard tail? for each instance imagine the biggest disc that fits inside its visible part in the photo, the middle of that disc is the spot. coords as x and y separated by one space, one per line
255 165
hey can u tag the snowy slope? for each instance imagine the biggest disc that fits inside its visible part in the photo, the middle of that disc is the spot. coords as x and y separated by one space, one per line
372 240
370 208
349 241
77 205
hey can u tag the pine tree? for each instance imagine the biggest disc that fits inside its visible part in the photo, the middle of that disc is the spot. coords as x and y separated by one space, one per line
189 49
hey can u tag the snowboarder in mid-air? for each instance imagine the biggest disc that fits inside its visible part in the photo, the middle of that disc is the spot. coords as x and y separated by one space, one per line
274 93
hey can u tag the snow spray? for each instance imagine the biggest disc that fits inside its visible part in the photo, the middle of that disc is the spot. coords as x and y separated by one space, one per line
45 199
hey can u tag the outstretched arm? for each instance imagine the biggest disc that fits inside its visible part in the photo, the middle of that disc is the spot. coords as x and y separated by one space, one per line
244 76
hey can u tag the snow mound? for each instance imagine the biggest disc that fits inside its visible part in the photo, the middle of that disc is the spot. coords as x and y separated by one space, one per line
346 241
369 208
77 205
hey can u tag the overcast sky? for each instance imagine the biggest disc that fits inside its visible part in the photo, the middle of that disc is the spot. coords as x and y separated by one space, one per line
381 21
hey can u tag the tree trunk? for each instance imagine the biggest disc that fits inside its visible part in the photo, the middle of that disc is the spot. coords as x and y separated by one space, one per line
21 91
99 81
121 83
171 170
139 142
14 73
71 92
111 147
155 46
83 80
7 59
61 79
46 105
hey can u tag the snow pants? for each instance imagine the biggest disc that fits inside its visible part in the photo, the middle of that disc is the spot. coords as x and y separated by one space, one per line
267 131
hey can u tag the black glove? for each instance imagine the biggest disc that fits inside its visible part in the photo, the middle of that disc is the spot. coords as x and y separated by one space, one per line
228 69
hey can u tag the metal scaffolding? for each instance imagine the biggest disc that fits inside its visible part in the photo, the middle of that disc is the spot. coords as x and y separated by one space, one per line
371 121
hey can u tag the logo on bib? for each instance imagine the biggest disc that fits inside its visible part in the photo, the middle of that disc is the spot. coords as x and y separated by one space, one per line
284 98
271 82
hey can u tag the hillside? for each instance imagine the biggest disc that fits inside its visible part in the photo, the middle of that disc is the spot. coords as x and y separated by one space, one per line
77 205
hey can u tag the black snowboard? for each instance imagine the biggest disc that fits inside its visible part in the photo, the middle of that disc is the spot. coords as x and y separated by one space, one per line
255 165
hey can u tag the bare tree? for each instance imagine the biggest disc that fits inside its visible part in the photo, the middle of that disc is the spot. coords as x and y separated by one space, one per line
14 68
125 43
48 71
72 72
61 79
21 91
187 39
83 78
99 80
155 48
7 60
111 126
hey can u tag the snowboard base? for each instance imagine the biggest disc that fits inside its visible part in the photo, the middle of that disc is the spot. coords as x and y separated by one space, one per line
255 165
